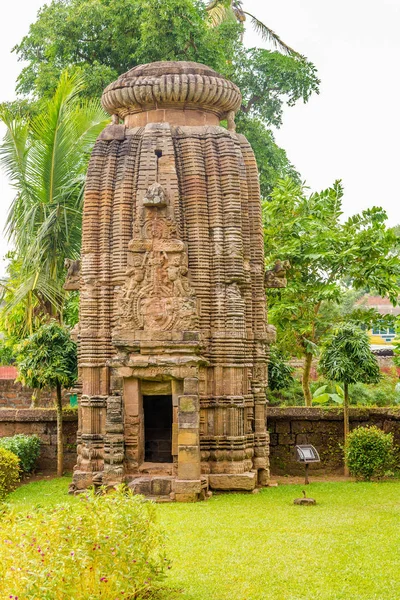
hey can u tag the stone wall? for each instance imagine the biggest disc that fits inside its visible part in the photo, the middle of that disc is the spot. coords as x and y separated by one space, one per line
323 428
288 426
43 422
14 395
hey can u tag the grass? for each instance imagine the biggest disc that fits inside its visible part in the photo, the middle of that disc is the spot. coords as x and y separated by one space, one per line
259 546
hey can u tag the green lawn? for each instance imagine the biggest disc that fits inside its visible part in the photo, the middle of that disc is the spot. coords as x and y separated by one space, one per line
261 546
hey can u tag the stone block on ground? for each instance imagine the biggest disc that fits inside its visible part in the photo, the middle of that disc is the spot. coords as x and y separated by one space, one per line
237 482
187 486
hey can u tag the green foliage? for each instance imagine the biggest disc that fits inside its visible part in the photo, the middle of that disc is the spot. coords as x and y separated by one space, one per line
322 396
347 357
369 452
105 546
327 255
9 472
380 394
26 447
279 371
105 38
71 309
221 11
46 160
352 523
291 395
323 251
48 358
268 80
17 321
360 394
272 161
6 354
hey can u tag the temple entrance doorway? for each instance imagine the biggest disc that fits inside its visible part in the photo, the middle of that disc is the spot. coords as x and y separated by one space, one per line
157 428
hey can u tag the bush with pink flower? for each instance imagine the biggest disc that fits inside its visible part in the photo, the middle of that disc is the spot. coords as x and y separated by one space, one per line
101 546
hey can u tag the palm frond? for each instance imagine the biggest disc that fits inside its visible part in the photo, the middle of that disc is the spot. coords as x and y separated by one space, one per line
220 11
270 36
47 159
215 3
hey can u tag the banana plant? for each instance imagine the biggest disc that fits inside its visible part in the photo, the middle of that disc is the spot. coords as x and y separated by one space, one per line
321 396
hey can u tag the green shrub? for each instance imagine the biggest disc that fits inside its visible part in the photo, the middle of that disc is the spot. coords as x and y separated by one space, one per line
292 395
379 394
369 452
361 394
26 447
106 546
9 472
280 373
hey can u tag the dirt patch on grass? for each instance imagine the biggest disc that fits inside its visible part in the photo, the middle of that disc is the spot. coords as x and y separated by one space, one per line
39 476
299 480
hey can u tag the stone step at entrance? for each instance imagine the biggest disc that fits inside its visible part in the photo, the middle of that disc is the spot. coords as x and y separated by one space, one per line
167 488
150 468
154 487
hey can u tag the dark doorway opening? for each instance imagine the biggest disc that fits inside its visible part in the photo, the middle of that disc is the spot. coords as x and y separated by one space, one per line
157 428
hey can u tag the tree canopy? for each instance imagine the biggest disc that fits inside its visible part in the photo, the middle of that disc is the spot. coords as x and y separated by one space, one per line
104 38
327 256
347 358
46 159
48 359
234 10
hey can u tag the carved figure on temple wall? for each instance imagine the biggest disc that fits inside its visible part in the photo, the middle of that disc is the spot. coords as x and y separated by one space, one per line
177 275
73 274
276 277
155 196
157 294
136 273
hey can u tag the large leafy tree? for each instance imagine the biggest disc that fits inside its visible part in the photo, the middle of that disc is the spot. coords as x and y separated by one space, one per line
268 81
46 159
327 255
48 359
104 38
347 358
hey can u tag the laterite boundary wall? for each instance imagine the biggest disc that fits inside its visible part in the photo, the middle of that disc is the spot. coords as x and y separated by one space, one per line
43 422
287 426
14 395
323 428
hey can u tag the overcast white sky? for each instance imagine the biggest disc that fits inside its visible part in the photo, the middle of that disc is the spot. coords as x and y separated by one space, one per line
350 131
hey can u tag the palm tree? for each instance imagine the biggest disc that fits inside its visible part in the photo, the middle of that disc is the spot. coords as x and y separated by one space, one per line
222 10
45 157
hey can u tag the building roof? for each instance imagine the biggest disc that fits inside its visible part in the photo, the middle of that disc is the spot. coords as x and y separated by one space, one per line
382 305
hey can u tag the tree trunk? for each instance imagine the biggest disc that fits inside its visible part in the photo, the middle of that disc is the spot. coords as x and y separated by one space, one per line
305 381
346 423
35 400
60 446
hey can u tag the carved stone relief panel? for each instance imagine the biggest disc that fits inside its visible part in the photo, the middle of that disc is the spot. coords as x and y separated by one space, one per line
157 294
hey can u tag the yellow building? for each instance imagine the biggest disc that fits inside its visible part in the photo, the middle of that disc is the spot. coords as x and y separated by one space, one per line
377 336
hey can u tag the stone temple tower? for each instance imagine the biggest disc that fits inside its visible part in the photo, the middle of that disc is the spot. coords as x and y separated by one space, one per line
173 333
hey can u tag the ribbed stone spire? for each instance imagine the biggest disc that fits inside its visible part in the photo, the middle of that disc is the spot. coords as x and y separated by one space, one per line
173 335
